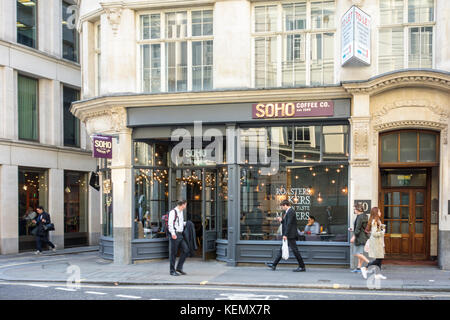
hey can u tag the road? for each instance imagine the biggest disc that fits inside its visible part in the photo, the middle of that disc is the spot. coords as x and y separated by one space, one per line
58 291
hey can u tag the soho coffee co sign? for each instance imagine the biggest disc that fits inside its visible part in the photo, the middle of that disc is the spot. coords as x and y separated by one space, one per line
292 109
102 146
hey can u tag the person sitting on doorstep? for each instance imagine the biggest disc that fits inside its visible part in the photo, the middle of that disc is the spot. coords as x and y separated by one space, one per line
312 227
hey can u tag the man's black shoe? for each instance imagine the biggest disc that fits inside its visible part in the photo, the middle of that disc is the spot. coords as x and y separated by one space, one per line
271 265
173 273
182 272
299 269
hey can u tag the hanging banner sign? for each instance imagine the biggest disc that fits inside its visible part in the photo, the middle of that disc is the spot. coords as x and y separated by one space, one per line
102 146
355 37
293 109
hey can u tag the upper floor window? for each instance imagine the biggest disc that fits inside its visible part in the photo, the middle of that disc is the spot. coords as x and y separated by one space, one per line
28 112
294 43
406 34
98 54
71 123
27 22
69 33
176 51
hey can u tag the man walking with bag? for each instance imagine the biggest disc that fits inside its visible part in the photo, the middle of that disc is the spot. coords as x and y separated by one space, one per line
289 232
176 240
41 221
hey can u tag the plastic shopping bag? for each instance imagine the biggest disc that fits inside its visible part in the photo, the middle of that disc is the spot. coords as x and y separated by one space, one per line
285 250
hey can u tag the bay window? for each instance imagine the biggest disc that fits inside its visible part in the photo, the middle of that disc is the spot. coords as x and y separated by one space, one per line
405 36
297 51
176 51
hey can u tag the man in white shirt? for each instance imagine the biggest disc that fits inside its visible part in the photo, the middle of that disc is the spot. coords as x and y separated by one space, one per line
176 226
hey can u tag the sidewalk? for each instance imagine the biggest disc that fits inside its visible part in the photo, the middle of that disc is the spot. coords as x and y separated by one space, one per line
51 267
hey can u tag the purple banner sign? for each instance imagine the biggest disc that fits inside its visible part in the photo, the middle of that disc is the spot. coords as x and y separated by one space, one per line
292 109
102 146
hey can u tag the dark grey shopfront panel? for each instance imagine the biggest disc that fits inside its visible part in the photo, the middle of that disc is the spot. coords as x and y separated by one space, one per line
106 247
155 249
211 113
312 253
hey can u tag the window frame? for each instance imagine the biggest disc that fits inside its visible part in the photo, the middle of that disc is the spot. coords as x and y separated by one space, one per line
280 33
406 26
37 108
77 38
37 28
63 86
163 40
417 163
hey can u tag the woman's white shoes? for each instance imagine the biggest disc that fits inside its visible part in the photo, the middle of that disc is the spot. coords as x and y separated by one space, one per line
364 272
380 277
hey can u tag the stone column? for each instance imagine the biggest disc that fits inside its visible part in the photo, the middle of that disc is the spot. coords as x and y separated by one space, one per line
50 42
8 20
50 112
8 102
233 195
122 184
94 216
118 61
363 182
232 68
87 59
9 208
444 218
56 205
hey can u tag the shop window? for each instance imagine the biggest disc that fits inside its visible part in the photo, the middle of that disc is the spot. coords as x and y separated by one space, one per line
314 191
75 208
28 108
27 22
69 33
293 143
177 55
71 123
33 191
405 25
107 197
151 154
409 146
295 40
151 202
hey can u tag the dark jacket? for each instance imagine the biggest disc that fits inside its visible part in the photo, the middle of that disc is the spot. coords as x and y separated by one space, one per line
190 237
40 224
361 236
289 224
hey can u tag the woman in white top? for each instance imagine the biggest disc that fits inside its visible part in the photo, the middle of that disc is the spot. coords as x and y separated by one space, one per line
375 242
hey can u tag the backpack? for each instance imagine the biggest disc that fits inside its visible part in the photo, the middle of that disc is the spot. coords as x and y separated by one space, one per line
165 220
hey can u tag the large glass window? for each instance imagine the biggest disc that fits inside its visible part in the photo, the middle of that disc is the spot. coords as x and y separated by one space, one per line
307 51
177 55
28 108
27 22
406 34
33 191
151 200
69 33
71 123
313 191
409 146
293 143
75 209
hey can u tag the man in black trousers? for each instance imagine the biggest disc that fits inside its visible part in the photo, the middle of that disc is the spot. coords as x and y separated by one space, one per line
289 231
176 226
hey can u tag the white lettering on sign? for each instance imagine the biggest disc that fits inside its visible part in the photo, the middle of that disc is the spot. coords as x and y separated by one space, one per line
300 199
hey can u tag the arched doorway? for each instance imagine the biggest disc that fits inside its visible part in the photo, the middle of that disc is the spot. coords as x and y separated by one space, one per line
408 175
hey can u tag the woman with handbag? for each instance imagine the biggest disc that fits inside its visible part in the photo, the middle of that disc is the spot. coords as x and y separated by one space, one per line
43 224
375 243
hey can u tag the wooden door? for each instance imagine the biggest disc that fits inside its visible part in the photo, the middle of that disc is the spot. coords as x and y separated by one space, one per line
404 213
